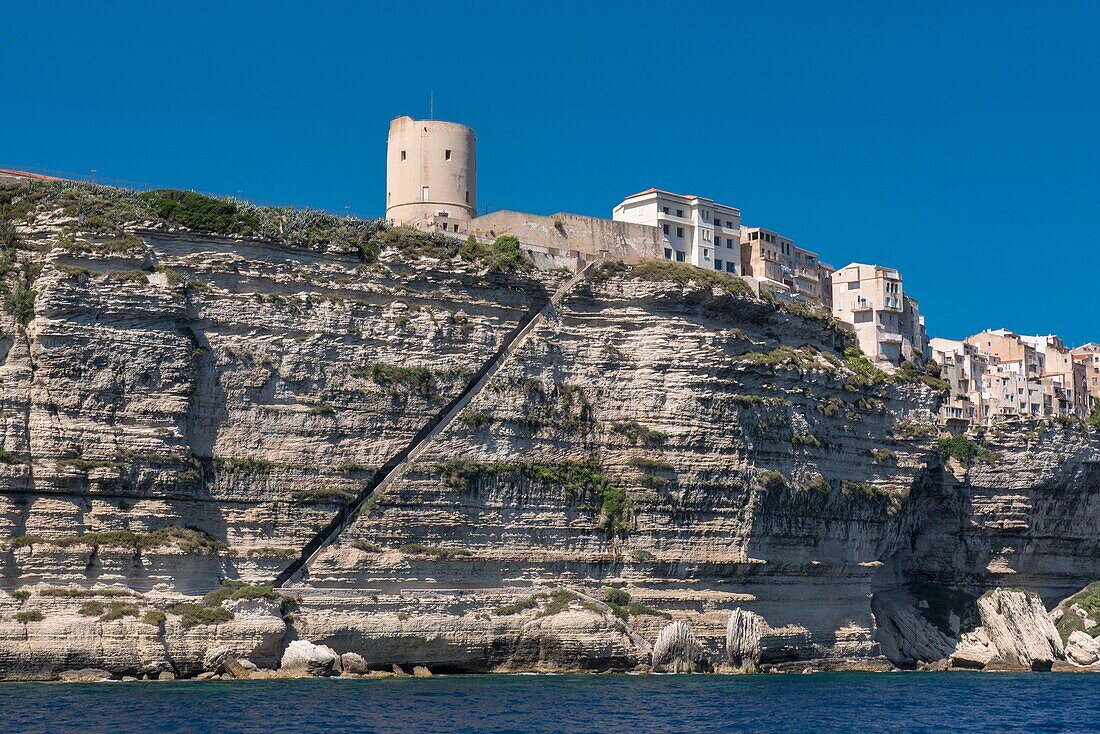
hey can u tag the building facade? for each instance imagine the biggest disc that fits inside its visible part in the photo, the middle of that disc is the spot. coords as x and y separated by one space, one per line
887 324
431 174
1088 355
964 368
693 229
775 261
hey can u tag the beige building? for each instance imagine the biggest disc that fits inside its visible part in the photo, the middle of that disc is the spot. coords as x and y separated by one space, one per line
1064 378
431 174
888 325
964 368
775 261
1088 355
692 229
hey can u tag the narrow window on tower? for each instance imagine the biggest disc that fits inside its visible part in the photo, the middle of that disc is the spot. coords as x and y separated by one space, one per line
447 155
402 155
425 194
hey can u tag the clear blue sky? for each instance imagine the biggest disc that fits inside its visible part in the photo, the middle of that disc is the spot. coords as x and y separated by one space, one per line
955 141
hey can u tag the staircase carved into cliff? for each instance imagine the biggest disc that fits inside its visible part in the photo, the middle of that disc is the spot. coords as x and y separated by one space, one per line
397 464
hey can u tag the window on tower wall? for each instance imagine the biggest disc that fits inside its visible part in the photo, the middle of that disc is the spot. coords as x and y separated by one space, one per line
425 193
446 155
402 155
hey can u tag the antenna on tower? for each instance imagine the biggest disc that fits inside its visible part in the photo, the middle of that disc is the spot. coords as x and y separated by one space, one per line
431 104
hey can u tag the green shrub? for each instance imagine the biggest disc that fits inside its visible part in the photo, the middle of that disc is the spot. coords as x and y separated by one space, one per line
173 277
507 610
192 614
772 480
91 608
7 457
19 303
504 255
231 590
959 447
247 465
418 380
200 213
883 456
637 609
637 434
818 483
31 616
927 374
616 596
323 495
804 438
154 617
72 271
21 595
475 419
831 406
1094 417
431 550
366 547
128 276
683 274
905 429
861 488
24 541
648 463
118 610
865 374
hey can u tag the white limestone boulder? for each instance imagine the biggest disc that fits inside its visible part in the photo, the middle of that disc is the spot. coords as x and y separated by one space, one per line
304 657
1082 648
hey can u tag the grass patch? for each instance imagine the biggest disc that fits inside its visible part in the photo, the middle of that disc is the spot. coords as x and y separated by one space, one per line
927 374
72 271
7 457
637 434
395 378
772 480
865 375
192 614
323 496
682 274
200 213
435 551
504 255
91 608
186 539
21 595
883 456
154 617
32 616
232 590
118 610
862 488
128 276
804 438
475 420
906 429
507 610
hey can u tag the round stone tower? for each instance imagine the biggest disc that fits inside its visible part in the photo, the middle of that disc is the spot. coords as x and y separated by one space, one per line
431 174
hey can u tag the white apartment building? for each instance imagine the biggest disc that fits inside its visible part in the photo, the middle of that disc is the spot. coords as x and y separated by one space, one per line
693 229
1089 356
887 324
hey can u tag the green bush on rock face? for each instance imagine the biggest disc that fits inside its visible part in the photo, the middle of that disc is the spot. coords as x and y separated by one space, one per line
200 213
960 448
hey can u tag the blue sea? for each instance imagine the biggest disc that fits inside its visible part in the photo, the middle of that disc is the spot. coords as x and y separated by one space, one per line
601 704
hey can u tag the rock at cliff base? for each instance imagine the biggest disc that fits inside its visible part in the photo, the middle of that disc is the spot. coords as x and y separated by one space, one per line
353 662
84 675
1082 648
166 675
399 671
676 650
215 657
303 657
420 671
1019 629
743 633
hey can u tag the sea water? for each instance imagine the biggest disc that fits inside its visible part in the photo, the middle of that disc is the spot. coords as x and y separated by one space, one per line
601 704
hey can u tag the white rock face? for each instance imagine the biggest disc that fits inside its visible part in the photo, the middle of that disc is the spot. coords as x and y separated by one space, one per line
676 650
304 657
1019 628
351 662
743 633
1082 648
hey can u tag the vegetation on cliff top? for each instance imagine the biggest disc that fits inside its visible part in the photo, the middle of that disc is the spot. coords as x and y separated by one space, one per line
109 211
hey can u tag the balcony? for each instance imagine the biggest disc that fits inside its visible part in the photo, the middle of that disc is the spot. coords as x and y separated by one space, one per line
861 304
891 303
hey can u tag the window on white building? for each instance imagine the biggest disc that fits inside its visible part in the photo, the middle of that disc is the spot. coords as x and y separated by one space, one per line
680 213
731 267
664 209
717 264
680 232
668 253
664 228
679 256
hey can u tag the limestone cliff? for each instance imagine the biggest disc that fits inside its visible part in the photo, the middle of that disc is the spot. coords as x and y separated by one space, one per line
665 464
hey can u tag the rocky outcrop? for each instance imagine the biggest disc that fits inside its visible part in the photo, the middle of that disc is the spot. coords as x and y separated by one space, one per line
1082 648
1019 628
676 650
303 657
743 634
